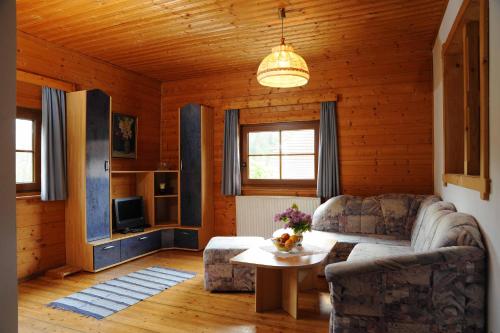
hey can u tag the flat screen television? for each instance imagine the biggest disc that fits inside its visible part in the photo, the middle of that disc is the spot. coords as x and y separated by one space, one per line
128 213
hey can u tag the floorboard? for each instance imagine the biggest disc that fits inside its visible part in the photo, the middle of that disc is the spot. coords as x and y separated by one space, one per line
186 307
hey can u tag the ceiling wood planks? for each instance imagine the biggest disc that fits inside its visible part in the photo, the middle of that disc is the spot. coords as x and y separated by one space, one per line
170 40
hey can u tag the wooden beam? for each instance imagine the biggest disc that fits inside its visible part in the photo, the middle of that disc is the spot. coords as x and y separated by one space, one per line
283 99
44 81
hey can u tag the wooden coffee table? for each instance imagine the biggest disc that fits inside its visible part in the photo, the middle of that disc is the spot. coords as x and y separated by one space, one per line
278 279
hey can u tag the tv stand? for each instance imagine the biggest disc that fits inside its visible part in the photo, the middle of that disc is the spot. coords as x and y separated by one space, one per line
131 230
121 248
165 231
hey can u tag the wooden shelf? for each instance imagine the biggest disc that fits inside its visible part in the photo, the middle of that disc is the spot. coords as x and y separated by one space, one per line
142 171
166 196
167 223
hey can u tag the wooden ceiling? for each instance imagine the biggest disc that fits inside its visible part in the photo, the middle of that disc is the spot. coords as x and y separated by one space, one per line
175 39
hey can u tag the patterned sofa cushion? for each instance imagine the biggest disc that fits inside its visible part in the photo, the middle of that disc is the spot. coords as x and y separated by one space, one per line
388 214
220 274
423 232
422 213
346 242
367 251
456 229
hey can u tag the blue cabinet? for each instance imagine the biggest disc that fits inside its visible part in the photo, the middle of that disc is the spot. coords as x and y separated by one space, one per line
167 238
190 155
139 245
97 165
106 255
186 239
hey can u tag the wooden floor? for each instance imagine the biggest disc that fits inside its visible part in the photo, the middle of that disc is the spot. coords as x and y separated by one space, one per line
186 307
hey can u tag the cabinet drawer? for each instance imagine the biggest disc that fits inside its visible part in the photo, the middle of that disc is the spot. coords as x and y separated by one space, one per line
167 238
186 239
136 246
106 255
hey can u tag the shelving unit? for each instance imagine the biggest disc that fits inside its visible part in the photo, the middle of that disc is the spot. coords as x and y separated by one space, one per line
159 190
180 217
166 197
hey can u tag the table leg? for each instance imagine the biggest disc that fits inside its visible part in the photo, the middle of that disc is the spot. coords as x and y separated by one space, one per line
307 279
267 289
290 291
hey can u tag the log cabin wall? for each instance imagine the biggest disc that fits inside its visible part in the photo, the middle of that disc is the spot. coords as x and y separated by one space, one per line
40 225
384 118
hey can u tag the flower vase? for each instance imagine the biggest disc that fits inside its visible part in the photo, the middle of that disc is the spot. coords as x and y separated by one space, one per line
126 146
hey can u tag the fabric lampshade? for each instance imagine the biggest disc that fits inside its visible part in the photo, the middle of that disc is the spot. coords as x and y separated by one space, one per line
283 68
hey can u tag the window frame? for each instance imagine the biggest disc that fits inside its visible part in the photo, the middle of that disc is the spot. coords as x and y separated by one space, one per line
36 116
278 127
457 170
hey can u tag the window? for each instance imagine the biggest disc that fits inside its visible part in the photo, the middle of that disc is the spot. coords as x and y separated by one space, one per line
465 88
280 154
28 124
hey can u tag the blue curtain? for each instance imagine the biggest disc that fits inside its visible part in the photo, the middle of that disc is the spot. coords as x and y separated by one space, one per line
53 154
328 160
231 174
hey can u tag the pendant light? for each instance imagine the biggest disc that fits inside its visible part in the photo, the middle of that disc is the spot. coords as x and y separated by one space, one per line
283 68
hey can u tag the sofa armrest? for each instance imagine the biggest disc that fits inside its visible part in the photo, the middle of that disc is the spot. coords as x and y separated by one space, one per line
444 288
446 255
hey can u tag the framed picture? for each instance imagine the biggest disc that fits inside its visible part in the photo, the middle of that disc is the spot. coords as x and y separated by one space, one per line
124 136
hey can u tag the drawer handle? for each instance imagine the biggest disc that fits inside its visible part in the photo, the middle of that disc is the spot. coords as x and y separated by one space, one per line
185 233
109 247
143 238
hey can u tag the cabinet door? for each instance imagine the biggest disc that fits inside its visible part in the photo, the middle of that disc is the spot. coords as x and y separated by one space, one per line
139 245
186 239
97 165
167 238
190 153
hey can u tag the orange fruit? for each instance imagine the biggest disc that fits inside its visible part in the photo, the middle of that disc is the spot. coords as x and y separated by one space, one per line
289 243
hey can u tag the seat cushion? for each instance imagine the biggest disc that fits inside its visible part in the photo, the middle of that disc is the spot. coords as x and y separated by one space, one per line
222 249
367 251
346 242
354 238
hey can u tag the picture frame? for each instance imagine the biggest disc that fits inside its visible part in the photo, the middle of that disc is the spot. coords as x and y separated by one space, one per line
124 136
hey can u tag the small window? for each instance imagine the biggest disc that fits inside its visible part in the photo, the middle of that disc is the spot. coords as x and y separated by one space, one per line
280 154
465 99
28 124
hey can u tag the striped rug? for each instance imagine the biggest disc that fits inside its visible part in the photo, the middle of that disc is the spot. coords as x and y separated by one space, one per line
109 297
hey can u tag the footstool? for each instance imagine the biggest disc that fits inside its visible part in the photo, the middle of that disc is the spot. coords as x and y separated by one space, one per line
220 274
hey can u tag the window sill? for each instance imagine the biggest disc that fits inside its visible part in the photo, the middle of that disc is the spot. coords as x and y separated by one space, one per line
477 183
279 191
27 195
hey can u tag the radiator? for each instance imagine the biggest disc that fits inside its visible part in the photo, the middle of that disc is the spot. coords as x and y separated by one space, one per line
255 214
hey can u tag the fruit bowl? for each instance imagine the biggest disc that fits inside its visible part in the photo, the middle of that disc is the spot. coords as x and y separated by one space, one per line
285 242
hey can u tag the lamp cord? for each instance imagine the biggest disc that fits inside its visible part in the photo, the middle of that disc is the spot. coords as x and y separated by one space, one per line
282 34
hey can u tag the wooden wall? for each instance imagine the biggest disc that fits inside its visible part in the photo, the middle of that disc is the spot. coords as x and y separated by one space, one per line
384 118
131 93
41 224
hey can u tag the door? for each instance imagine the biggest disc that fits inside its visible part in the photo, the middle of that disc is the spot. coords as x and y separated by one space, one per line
97 165
190 164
